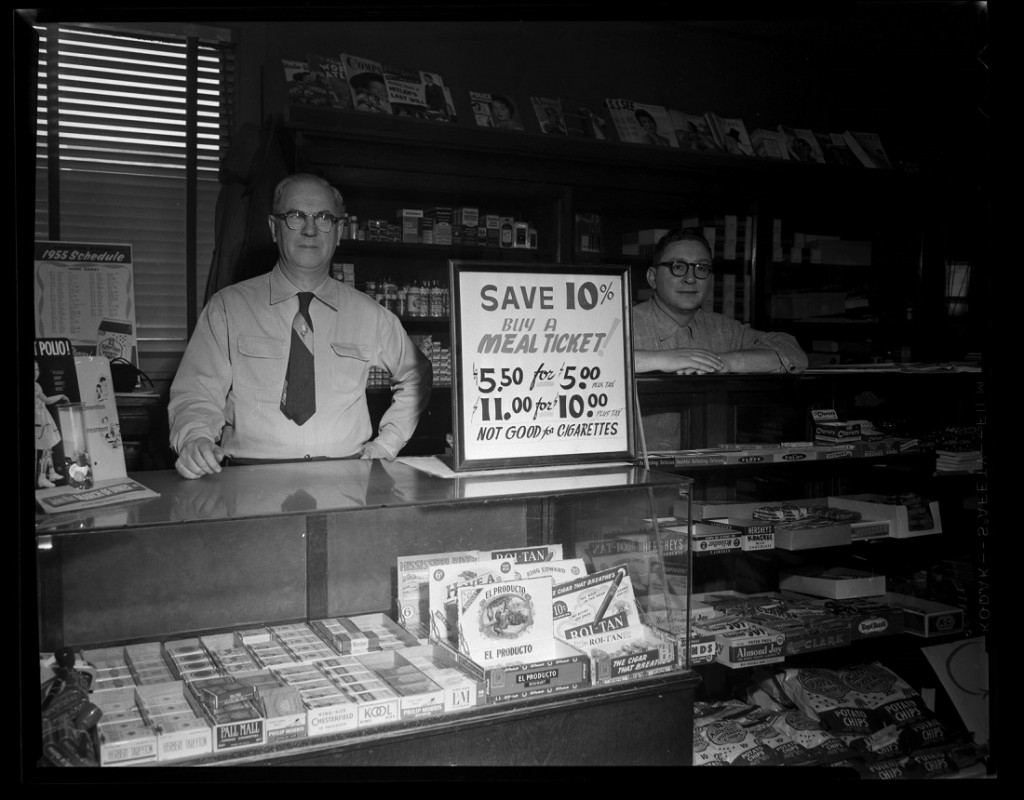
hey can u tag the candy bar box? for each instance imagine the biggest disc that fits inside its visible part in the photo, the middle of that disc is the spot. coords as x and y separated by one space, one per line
927 618
834 582
908 516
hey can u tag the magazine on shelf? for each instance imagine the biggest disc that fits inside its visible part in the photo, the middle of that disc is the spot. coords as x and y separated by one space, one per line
438 97
494 110
868 149
550 116
836 151
587 120
412 93
802 145
769 144
305 88
331 72
641 123
731 134
367 84
693 132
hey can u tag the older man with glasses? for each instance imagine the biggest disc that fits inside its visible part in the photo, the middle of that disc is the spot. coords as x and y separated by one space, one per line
276 368
673 332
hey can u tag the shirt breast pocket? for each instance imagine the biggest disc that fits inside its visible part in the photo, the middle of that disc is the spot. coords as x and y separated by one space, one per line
351 366
261 365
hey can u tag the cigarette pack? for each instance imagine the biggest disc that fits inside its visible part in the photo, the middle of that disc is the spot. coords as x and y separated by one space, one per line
236 724
597 603
834 582
364 634
181 729
230 657
927 618
328 710
628 654
506 622
375 702
282 707
567 670
461 691
124 738
901 526
419 696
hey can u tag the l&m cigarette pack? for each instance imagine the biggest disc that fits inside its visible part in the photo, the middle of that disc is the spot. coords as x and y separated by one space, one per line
461 691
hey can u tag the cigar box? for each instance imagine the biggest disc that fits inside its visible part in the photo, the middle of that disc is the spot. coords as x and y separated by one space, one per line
629 654
505 622
596 603
569 669
872 507
927 618
413 579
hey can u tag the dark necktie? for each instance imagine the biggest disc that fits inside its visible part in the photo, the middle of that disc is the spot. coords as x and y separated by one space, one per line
298 399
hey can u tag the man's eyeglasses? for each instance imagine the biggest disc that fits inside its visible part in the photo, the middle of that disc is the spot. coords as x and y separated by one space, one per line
679 268
296 220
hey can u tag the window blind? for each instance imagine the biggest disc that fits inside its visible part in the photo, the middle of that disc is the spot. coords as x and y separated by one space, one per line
130 132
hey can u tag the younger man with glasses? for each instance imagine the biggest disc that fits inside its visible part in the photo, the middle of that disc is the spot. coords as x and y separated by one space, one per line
673 333
293 334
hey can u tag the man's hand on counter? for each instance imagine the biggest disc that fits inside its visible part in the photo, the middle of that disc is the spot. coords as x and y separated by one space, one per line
199 457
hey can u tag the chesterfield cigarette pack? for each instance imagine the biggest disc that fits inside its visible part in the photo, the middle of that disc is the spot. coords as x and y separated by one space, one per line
413 581
507 622
567 670
460 690
328 709
419 696
628 654
445 581
594 604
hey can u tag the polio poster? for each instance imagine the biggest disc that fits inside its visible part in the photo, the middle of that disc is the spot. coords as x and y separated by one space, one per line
85 293
542 365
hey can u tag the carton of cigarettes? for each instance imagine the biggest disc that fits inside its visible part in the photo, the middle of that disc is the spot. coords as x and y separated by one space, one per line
375 702
418 695
461 691
182 731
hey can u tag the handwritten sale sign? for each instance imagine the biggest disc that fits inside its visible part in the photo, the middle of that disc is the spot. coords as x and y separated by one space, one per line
542 365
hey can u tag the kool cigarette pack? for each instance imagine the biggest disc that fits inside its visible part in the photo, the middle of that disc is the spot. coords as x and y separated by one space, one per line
507 622
375 702
461 691
418 695
445 581
413 581
628 654
181 729
597 603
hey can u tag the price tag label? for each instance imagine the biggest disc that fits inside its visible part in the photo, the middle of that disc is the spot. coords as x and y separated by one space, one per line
542 363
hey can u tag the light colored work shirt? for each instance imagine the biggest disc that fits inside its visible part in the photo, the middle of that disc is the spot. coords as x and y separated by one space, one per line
228 386
653 329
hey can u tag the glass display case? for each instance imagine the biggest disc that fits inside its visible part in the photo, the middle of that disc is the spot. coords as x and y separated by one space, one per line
257 548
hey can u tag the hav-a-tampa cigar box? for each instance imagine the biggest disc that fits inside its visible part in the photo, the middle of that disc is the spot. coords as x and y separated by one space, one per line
171 711
328 709
629 654
419 696
569 669
413 580
124 738
927 618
